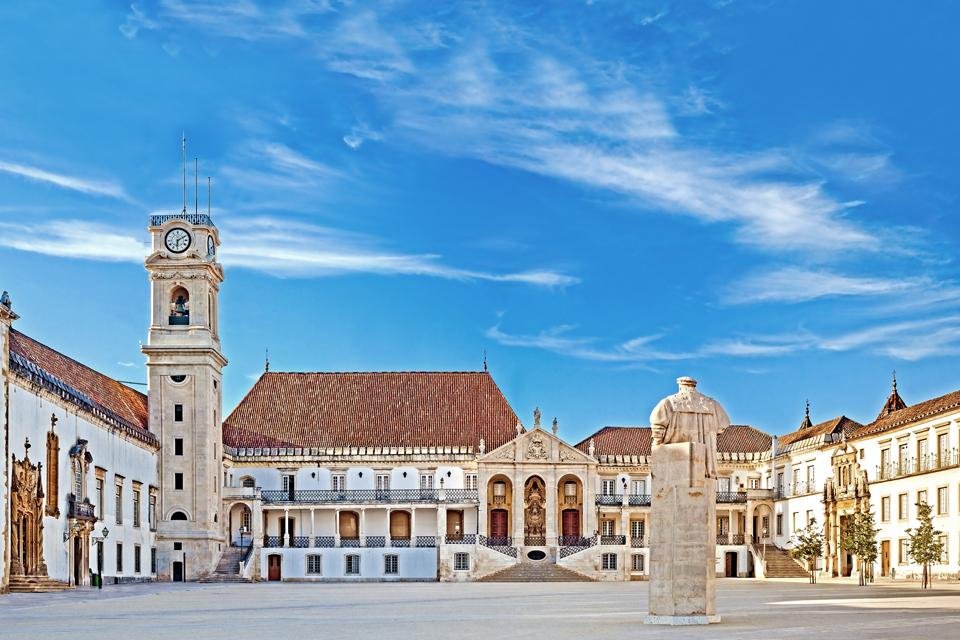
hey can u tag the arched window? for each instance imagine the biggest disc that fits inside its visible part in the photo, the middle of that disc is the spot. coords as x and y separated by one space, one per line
179 306
178 515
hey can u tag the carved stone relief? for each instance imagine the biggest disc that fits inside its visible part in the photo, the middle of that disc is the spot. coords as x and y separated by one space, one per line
26 517
536 450
534 511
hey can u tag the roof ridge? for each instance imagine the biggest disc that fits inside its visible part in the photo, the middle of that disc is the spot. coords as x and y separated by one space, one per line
340 373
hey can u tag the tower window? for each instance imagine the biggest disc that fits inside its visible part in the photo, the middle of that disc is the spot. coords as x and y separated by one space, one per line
179 307
178 413
178 515
178 378
178 446
178 481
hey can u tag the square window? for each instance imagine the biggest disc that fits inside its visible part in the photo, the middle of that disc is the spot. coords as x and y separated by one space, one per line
470 482
178 413
178 481
426 481
609 561
352 567
314 565
461 561
391 564
636 562
178 546
178 446
338 482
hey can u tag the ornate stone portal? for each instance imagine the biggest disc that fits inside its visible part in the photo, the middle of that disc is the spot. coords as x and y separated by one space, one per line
534 512
26 517
684 429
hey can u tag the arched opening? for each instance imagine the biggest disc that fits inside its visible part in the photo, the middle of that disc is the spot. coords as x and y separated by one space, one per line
570 509
178 515
248 482
241 525
762 520
400 525
349 526
499 510
179 306
534 512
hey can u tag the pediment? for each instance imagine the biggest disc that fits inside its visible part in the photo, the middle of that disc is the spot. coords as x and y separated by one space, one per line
537 445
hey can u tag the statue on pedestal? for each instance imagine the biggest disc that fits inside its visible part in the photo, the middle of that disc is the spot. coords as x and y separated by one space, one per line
690 416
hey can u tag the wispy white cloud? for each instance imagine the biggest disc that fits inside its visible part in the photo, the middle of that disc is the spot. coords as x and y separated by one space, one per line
278 247
907 340
136 20
274 167
795 284
127 364
73 183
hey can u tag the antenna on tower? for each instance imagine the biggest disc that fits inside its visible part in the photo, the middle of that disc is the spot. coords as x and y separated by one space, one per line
208 196
266 361
196 185
183 144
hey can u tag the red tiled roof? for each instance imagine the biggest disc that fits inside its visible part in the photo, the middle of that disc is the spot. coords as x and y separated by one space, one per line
420 409
125 403
835 425
635 441
910 414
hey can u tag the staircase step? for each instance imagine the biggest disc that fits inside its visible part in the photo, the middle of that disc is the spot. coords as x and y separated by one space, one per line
531 572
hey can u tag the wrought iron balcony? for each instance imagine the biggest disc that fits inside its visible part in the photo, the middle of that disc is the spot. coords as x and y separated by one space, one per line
375 541
639 500
272 541
573 541
924 464
325 541
731 497
81 510
300 542
400 542
192 218
638 543
609 499
723 538
614 540
468 538
368 496
353 541
737 538
534 541
501 544
583 543
426 541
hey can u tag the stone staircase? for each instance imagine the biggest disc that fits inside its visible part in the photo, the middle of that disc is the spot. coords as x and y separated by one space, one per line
780 564
535 572
228 568
36 584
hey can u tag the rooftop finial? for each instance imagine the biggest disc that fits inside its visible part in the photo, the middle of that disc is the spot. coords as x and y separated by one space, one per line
894 380
183 150
806 411
266 360
5 300
807 423
556 425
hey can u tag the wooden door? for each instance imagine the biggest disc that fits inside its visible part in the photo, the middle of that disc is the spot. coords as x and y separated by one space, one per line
885 558
730 570
570 525
273 567
399 524
498 523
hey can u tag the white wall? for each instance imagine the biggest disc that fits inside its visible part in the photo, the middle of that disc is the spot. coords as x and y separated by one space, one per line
413 564
30 417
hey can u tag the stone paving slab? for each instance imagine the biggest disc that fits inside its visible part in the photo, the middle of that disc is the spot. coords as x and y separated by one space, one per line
749 608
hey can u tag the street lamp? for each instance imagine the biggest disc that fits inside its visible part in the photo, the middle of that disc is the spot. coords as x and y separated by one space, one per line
243 532
764 547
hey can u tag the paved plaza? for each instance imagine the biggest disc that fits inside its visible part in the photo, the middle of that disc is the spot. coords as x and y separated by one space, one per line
750 609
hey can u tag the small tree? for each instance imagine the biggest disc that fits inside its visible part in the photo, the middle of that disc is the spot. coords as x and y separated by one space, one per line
860 539
925 546
808 546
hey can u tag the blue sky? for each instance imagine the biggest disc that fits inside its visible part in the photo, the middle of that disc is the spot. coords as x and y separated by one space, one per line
603 196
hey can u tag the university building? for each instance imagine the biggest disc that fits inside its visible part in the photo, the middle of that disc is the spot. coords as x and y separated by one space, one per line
393 476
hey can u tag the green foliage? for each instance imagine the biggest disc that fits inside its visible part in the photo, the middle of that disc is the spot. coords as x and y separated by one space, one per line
808 545
925 546
860 539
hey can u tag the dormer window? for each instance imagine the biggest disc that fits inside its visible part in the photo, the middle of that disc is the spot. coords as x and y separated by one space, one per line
180 306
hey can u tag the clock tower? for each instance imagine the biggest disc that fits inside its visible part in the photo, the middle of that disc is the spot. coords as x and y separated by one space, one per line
184 368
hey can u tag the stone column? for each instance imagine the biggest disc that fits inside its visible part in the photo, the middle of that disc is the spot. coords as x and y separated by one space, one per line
387 537
683 540
336 527
362 533
441 524
286 524
313 529
413 526
550 531
518 511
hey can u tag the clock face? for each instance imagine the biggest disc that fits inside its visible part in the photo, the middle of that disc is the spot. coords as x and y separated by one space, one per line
177 240
211 246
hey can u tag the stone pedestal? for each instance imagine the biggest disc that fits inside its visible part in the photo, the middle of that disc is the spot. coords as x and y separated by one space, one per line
682 541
